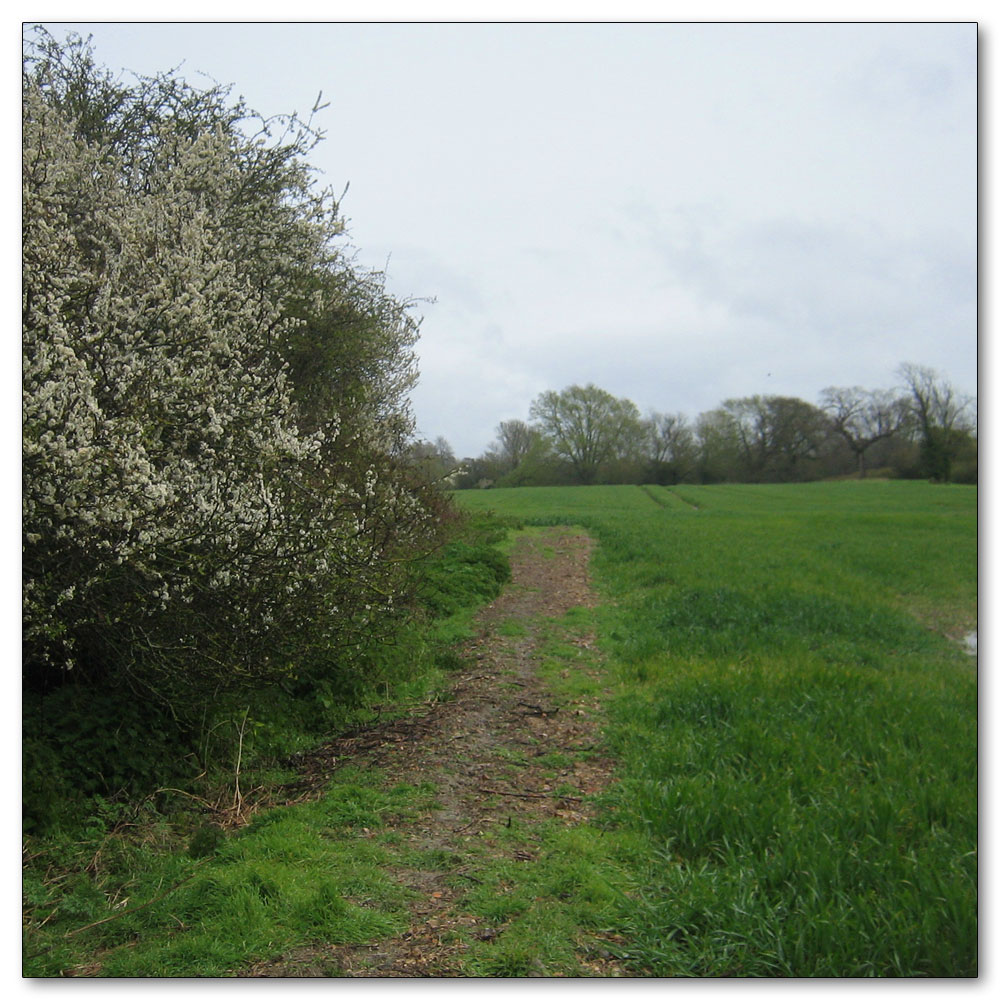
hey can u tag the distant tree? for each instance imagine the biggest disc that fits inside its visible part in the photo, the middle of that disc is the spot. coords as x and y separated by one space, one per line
668 446
718 447
515 439
434 461
587 427
774 437
942 418
864 417
538 467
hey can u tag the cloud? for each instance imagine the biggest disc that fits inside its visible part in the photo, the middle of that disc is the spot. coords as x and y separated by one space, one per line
894 82
678 309
677 212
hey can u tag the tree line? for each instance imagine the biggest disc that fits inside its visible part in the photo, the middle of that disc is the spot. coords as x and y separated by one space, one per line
922 428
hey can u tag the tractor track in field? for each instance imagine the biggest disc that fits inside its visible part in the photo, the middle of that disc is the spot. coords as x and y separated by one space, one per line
498 709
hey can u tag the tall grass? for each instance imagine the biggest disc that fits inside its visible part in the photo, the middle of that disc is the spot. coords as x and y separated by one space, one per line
796 726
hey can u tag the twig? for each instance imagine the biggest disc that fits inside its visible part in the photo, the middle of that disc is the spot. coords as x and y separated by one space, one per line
237 797
135 909
180 791
47 919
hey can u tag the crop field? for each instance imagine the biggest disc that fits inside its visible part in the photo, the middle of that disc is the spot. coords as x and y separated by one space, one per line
795 720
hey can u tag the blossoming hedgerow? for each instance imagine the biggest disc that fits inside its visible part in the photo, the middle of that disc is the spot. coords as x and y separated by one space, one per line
209 487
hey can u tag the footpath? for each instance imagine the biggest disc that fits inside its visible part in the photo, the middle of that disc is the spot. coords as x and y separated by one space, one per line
487 749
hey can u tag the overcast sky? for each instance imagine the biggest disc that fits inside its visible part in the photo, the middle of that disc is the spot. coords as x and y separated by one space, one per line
679 213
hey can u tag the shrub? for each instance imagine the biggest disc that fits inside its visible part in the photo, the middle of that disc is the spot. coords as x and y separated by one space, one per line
195 511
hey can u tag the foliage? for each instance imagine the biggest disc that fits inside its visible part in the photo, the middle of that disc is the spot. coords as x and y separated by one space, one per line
587 427
509 460
585 435
249 897
81 748
796 790
515 440
941 416
214 397
432 462
293 874
669 447
771 438
87 744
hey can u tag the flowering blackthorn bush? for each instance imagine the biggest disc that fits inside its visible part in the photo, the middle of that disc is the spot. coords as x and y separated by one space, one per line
214 397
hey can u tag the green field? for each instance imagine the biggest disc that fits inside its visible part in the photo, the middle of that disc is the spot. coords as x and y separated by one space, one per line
796 721
793 718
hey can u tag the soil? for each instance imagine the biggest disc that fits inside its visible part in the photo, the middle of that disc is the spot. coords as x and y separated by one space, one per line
498 706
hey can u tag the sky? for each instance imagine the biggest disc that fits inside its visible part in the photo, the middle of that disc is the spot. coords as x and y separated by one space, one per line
680 213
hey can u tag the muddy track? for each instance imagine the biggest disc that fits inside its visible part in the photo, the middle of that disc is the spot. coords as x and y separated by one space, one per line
498 708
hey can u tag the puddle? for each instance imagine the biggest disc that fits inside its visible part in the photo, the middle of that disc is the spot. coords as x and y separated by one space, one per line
971 643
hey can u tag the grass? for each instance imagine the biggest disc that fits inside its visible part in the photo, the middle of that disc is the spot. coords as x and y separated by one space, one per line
294 875
321 873
147 886
795 724
550 911
795 727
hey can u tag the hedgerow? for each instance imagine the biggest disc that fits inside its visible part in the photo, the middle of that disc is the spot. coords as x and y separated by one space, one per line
215 413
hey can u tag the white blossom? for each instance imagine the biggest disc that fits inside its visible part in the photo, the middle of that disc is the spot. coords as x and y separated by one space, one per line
165 465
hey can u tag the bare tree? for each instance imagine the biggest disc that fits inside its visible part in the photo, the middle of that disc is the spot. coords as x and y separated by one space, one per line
941 416
862 417
669 445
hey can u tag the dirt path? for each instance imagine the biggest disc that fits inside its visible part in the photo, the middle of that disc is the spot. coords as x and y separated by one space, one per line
500 709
